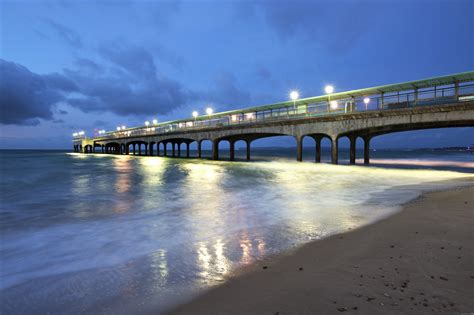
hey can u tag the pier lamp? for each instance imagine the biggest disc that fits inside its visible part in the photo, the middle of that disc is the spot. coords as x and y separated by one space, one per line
118 128
155 121
195 114
123 127
74 134
81 133
209 111
147 123
366 102
329 89
333 104
294 95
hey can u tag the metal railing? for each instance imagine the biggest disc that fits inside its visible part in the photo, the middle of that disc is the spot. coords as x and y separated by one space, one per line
437 95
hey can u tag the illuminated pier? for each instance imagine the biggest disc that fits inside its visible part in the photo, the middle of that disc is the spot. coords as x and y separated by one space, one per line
446 101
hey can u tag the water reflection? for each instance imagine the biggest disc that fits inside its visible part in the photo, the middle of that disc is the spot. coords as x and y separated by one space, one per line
211 260
159 267
122 167
152 169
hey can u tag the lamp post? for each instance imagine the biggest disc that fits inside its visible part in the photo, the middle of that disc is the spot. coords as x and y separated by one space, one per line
329 89
294 95
209 112
195 114
366 102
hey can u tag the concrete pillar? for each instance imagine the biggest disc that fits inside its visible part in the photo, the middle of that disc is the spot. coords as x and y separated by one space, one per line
352 150
151 148
232 150
334 150
215 149
366 149
187 149
173 145
179 149
199 149
248 149
299 149
164 148
139 149
134 149
146 149
158 149
317 157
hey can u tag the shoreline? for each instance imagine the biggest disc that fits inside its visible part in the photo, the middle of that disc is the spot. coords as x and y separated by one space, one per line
417 260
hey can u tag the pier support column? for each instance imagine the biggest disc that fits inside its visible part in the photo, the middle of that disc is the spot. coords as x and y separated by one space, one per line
179 149
352 150
232 150
150 149
248 149
199 149
334 150
139 149
134 149
157 149
215 149
164 148
173 145
317 157
187 149
366 149
299 149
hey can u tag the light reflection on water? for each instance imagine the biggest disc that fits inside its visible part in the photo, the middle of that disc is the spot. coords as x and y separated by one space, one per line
150 232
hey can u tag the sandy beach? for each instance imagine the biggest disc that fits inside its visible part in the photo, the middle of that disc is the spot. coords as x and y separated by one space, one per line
420 260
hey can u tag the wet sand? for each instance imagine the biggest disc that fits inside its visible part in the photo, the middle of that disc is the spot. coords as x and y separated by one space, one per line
420 260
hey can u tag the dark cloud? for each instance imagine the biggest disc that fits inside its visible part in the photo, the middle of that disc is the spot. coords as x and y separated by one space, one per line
26 96
125 82
129 85
226 93
334 27
66 34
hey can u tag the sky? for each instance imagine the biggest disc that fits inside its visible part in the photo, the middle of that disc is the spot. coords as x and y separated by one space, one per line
67 66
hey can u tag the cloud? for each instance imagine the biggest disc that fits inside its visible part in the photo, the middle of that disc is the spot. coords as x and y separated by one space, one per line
125 81
226 92
334 27
128 83
66 34
25 96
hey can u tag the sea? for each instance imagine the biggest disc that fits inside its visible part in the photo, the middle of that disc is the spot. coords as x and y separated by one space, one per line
109 234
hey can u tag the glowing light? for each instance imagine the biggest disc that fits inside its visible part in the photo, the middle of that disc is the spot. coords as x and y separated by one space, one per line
249 115
329 89
195 114
233 117
155 121
118 128
294 95
81 133
147 123
74 134
366 100
123 127
333 104
209 111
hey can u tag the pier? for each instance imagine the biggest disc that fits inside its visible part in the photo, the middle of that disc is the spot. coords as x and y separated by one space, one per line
440 102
